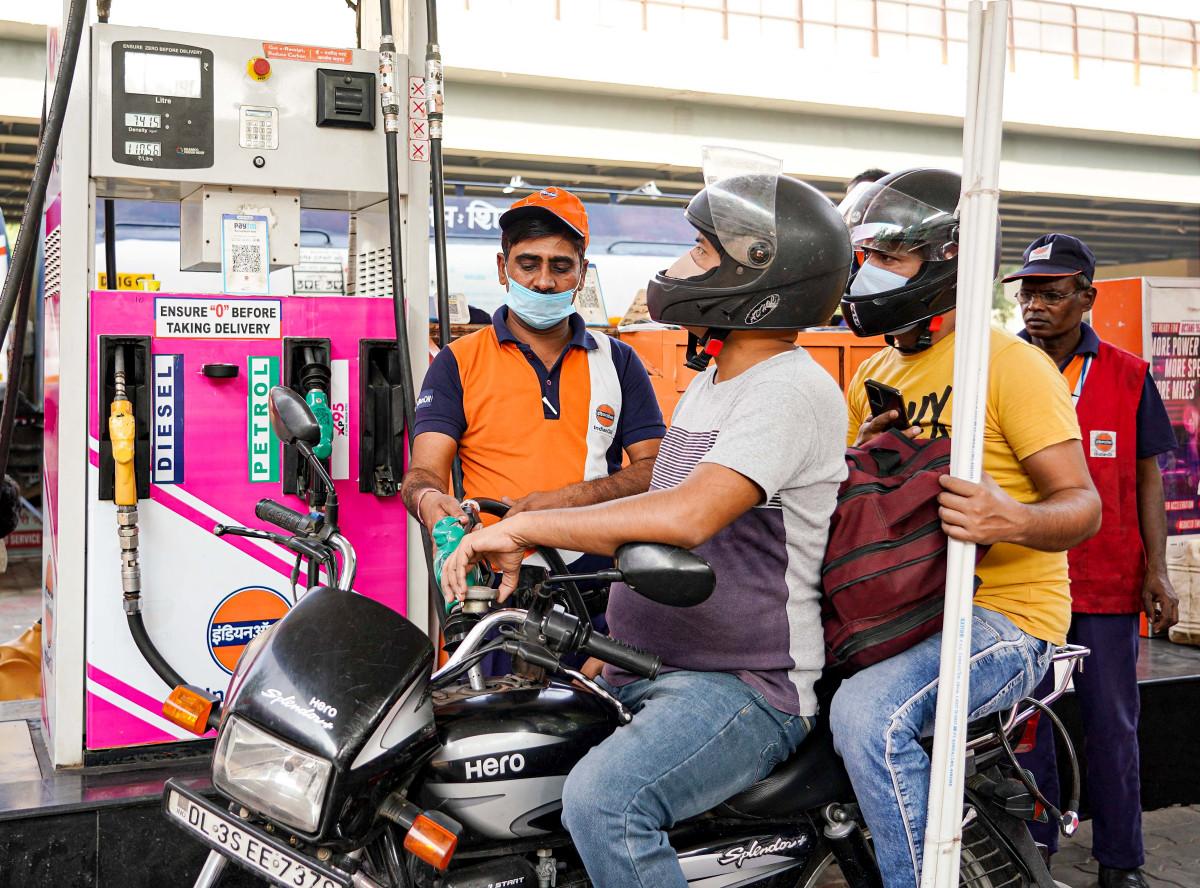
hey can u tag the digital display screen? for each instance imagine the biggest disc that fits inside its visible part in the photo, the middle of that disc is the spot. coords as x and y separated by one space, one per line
154 74
257 113
145 121
144 149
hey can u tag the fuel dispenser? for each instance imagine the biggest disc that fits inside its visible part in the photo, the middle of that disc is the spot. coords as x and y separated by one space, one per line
156 403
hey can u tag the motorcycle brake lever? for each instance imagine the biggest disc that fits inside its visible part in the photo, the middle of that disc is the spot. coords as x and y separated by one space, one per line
235 530
624 716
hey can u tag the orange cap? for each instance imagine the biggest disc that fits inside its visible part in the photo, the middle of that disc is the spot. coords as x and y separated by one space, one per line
557 202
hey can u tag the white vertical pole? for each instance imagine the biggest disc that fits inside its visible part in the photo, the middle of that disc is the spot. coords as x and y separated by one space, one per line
976 269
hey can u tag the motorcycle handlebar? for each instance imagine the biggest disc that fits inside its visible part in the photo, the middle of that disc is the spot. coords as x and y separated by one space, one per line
622 655
281 516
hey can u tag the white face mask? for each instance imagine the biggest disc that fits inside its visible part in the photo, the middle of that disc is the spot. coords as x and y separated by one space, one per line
872 279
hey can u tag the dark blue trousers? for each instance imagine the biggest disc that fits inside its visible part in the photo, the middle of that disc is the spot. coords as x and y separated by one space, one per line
1107 691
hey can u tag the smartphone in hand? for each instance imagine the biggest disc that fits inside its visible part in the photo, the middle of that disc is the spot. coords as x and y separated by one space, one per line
883 398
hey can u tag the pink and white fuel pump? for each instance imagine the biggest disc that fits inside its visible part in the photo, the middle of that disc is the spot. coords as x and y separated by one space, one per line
224 128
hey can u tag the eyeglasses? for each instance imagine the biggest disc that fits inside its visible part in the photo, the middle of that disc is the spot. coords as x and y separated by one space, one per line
1049 299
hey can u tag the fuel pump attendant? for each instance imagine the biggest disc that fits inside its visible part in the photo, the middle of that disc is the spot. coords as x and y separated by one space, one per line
1120 571
538 408
747 477
1035 501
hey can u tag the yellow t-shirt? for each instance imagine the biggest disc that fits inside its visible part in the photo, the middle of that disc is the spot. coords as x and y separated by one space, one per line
1028 409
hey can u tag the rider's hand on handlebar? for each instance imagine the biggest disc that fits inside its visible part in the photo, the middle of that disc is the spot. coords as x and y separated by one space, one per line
877 425
503 547
532 502
435 505
592 667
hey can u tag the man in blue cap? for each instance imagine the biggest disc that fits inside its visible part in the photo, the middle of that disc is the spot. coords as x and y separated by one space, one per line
1119 572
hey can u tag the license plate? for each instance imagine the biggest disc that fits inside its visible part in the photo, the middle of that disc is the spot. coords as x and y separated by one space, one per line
240 842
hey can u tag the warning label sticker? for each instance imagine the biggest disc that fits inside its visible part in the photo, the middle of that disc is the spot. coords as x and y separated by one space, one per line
183 318
295 53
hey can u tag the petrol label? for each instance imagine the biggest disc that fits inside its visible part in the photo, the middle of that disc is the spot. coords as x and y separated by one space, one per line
168 419
184 318
263 445
339 405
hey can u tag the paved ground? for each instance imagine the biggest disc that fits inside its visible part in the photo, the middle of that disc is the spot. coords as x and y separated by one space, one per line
1172 837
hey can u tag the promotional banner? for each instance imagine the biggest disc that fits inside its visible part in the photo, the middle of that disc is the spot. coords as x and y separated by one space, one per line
1175 365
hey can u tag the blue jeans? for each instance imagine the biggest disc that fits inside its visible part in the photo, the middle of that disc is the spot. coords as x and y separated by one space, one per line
696 739
879 716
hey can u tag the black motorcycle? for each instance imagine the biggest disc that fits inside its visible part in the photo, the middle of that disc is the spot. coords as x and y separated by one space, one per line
344 758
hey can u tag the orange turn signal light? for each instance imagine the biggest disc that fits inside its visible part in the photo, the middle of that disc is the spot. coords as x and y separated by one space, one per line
189 707
431 842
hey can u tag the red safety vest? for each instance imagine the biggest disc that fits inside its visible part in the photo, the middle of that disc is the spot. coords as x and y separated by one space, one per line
1107 570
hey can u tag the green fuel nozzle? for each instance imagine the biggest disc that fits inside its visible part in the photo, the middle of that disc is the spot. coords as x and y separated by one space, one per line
447 534
318 402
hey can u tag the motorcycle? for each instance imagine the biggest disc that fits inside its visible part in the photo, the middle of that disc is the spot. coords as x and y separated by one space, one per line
344 758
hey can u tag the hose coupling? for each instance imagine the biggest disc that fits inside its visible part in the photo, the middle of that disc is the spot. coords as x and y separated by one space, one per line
127 516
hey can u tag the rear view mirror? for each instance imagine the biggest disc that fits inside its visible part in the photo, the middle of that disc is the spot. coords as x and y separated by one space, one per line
666 574
291 417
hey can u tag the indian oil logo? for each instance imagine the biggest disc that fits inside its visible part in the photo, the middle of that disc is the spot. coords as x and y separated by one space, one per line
606 416
1104 444
239 618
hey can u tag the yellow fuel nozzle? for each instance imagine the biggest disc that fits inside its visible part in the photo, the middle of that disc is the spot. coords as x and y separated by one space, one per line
122 428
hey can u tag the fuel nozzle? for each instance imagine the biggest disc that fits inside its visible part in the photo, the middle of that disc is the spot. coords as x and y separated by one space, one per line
122 430
314 382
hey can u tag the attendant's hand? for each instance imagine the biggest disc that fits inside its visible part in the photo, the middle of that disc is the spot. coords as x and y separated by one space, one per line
877 425
1159 600
432 507
978 513
503 547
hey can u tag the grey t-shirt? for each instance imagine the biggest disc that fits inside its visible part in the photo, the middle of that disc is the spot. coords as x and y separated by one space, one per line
782 424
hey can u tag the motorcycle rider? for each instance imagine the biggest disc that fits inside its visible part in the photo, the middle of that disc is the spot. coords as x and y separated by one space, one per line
751 463
1034 501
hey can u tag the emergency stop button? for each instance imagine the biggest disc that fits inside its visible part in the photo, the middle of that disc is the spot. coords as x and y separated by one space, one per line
258 68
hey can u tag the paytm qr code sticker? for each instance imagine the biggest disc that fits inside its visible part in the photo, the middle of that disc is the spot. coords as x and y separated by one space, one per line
245 254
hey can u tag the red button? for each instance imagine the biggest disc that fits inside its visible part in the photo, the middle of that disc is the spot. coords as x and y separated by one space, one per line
262 67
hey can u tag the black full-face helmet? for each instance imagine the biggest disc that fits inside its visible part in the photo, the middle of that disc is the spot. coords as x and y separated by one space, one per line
785 258
912 211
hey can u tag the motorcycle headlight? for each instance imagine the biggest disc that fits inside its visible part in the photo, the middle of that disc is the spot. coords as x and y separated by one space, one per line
269 776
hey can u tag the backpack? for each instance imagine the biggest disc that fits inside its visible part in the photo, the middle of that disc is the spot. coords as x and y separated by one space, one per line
883 580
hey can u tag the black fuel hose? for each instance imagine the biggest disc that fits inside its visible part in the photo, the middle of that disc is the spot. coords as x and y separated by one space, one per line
433 79
47 148
390 103
12 392
141 638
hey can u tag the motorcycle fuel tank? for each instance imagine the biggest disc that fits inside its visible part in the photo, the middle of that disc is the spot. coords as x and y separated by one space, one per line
505 756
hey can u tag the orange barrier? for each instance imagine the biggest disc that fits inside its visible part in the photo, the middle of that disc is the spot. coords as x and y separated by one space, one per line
1118 314
664 352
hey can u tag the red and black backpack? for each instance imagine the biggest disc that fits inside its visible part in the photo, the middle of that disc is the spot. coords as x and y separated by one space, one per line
884 576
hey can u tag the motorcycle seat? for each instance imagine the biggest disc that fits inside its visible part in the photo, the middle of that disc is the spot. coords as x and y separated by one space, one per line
812 776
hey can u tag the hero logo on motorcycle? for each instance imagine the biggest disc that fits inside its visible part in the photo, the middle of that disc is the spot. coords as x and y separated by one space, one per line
494 767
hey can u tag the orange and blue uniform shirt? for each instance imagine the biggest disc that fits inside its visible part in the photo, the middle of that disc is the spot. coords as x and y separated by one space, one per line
521 428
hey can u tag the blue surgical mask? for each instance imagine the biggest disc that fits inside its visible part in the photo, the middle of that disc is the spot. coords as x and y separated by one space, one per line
872 279
539 310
